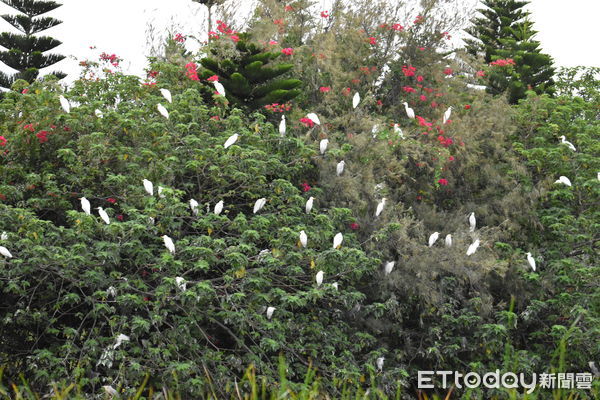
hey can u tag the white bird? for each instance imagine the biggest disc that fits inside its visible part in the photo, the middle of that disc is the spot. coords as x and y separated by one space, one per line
4 251
380 207
313 117
180 281
194 206
103 215
110 390
473 247
355 100
270 311
303 238
374 130
433 238
148 187
448 240
162 110
166 94
564 180
120 339
169 244
447 115
389 267
564 140
323 145
159 192
319 278
398 130
282 126
64 103
218 207
220 88
531 261
335 285
472 222
409 111
85 205
309 204
111 291
340 167
99 113
4 236
380 361
598 176
337 240
260 203
232 139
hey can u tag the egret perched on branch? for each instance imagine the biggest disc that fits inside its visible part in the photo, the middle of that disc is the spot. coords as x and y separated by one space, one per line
270 311
531 261
340 167
564 140
220 89
323 145
472 222
448 240
259 204
103 215
447 115
564 180
309 204
159 192
120 339
380 207
111 291
162 110
389 267
409 111
232 139
355 100
4 251
169 244
319 278
313 117
282 126
180 281
398 130
194 206
218 207
303 239
4 236
337 240
148 187
433 238
335 285
166 94
64 103
380 361
473 247
99 113
85 205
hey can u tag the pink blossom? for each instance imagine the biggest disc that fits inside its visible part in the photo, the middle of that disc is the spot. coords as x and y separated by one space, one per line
288 51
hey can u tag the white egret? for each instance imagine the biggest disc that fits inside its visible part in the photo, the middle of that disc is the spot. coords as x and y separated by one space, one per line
340 167
398 130
166 94
319 278
389 267
111 291
85 205
433 238
409 111
472 222
380 361
564 140
282 126
148 187
598 176
111 391
4 236
473 247
232 139
448 240
309 204
220 88
99 113
218 207
120 339
103 215
447 115
64 103
169 244
335 285
564 180
194 206
313 117
259 204
303 238
323 145
380 207
355 100
531 261
162 110
159 192
181 283
4 251
337 240
270 311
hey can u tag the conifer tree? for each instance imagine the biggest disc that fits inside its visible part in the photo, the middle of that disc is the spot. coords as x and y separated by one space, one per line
24 51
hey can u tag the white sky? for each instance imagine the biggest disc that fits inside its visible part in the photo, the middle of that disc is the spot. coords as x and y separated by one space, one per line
568 30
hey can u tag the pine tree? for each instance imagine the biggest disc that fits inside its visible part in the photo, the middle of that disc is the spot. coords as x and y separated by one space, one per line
504 32
24 50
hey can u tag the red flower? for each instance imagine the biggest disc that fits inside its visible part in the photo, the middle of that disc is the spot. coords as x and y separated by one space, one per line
2 141
467 106
423 97
346 91
120 217
191 71
503 63
111 200
423 122
397 27
448 71
325 14
29 127
408 89
272 42
480 74
379 102
214 78
307 122
179 38
152 74
42 136
451 158
289 8
434 104
419 197
213 35
215 118
408 71
442 181
288 51
324 89
149 83
278 21
305 187
419 19
24 91
372 40
354 226
420 78
235 38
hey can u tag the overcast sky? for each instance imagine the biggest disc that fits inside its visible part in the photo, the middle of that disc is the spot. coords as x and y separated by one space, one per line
568 30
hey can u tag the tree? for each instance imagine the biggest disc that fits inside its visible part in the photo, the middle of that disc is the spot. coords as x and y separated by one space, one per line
505 33
24 50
